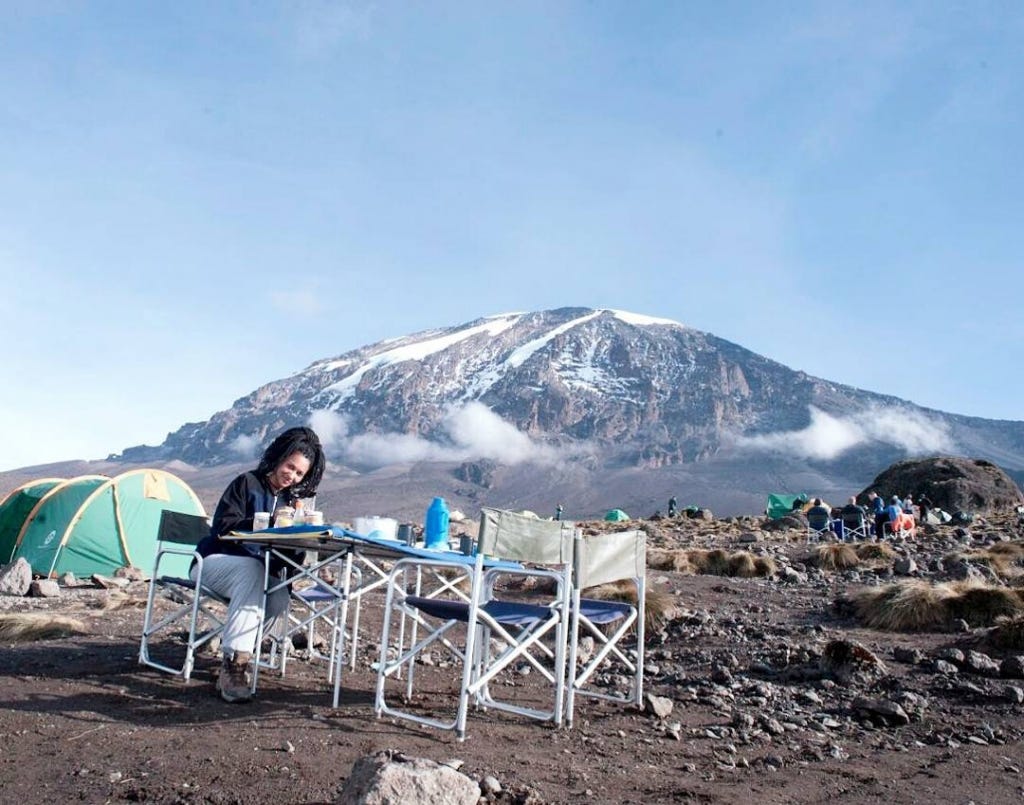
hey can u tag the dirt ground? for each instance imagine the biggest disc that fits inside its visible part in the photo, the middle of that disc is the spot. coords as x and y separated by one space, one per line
752 720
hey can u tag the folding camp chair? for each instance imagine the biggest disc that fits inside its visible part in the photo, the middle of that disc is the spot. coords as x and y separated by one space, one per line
818 526
856 526
518 625
177 536
597 560
309 607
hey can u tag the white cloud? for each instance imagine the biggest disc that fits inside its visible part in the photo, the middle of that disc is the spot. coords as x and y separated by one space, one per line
245 446
299 302
828 437
331 427
473 431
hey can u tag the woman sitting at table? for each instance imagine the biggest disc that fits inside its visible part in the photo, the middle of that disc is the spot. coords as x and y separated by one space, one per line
291 468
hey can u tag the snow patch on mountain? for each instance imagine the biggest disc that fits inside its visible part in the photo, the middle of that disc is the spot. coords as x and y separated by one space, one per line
641 321
415 351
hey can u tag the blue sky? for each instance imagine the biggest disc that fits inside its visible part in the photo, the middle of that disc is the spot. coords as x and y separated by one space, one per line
203 197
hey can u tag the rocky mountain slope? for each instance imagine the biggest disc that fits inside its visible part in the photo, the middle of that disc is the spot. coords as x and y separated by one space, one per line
590 408
613 388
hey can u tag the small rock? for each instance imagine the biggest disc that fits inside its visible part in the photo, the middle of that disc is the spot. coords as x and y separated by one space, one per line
905 567
944 667
981 664
659 706
44 588
1013 694
1012 667
910 656
490 785
881 711
16 578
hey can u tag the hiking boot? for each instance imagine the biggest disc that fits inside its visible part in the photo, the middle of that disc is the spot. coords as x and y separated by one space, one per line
234 683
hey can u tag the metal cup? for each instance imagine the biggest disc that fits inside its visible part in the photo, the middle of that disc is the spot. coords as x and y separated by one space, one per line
466 544
406 534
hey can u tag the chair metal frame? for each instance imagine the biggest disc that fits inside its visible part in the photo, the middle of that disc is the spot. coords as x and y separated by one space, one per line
597 560
177 535
520 626
859 529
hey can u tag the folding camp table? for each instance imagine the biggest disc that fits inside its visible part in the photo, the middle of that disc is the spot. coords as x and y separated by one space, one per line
333 544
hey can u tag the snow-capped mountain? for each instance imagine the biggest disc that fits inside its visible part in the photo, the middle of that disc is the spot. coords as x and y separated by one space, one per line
606 387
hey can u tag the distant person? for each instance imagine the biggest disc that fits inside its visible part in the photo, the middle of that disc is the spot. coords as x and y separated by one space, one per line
558 512
881 516
291 468
924 505
908 505
899 520
672 503
818 516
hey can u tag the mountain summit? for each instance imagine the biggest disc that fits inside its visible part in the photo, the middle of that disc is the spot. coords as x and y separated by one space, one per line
604 387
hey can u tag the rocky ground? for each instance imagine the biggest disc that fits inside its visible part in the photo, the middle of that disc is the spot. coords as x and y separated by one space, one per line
764 688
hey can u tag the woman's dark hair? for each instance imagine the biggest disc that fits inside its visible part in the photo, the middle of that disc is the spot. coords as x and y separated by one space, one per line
296 440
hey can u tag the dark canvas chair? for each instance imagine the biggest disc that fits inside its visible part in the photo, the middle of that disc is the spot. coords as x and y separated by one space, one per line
197 608
855 526
819 525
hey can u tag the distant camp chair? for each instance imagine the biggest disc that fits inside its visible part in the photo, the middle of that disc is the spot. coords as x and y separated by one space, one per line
818 525
597 560
177 536
856 526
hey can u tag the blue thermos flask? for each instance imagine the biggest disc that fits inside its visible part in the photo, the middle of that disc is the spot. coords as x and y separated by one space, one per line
436 531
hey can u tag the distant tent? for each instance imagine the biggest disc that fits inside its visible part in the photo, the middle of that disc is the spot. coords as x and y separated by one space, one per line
616 516
781 505
92 523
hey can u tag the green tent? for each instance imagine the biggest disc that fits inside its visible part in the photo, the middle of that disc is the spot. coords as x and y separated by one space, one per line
616 516
95 524
781 505
15 508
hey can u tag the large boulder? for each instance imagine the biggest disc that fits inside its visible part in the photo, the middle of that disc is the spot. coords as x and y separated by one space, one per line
391 778
953 484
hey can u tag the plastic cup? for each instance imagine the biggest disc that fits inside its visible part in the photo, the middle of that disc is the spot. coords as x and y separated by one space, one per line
314 518
261 521
284 517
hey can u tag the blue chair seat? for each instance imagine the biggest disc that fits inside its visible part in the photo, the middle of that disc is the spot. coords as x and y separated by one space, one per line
507 612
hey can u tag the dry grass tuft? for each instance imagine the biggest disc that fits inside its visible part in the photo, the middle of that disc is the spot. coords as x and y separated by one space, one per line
916 605
912 606
659 604
660 559
741 564
868 551
838 556
1008 633
981 604
1006 559
23 627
